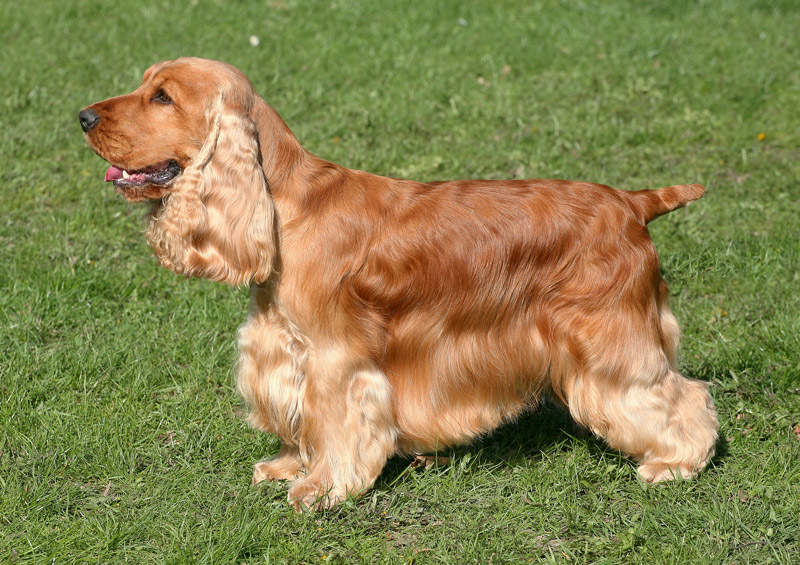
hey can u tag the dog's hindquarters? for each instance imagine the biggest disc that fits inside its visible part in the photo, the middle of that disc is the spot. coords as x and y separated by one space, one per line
618 377
596 330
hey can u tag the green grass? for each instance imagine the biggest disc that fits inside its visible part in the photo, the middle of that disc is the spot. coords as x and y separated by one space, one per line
121 434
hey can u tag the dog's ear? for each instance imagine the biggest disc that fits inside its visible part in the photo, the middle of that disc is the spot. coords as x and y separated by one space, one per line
219 220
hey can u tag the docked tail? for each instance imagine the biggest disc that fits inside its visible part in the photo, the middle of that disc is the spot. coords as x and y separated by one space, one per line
649 204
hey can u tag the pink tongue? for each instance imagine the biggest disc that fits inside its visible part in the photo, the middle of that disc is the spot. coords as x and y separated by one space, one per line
113 173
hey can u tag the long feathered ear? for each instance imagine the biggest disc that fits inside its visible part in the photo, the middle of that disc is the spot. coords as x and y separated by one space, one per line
218 221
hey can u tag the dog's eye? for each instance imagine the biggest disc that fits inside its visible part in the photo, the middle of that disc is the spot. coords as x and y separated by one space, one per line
161 97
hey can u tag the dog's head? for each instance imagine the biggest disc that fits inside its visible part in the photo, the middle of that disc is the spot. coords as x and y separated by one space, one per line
186 140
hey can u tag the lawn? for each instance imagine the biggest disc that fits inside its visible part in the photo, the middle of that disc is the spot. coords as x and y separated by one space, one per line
121 435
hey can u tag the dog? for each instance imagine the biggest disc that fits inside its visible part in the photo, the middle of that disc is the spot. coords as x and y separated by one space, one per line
389 316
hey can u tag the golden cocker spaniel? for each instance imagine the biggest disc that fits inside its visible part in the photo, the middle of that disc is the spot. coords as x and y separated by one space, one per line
391 316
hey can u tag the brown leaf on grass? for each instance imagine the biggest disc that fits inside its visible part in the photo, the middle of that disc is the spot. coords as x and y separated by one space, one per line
796 431
107 490
167 437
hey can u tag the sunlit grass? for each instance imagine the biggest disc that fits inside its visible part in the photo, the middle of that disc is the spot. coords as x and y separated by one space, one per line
122 436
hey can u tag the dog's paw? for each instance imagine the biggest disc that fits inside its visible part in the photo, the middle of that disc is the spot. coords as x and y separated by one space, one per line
278 469
310 494
658 472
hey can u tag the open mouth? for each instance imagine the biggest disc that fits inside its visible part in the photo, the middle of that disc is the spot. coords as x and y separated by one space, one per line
144 184
160 174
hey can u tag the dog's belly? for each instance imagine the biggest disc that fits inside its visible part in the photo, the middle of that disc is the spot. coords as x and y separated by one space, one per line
462 384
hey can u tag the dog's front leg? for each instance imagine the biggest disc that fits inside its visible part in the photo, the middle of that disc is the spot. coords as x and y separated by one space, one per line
347 432
271 380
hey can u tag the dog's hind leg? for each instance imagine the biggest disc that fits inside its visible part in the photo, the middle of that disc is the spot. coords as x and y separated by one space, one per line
669 425
632 397
680 427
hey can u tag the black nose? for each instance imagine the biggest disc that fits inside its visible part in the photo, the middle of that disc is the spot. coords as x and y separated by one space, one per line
88 119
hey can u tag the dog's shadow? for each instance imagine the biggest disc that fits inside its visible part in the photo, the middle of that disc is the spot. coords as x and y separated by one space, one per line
540 431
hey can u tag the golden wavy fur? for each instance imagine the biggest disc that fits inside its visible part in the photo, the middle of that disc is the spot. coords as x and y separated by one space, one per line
390 316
